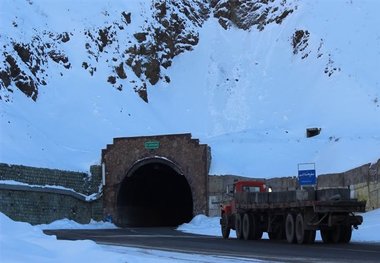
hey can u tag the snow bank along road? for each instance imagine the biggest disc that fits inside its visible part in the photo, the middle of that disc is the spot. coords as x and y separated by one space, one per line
172 240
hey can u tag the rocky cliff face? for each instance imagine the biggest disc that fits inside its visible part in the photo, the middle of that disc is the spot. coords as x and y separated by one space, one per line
256 13
24 65
171 30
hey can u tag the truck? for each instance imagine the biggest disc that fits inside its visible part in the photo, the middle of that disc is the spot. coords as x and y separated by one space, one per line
294 216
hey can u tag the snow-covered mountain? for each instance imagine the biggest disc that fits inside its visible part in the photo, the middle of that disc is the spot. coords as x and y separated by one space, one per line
246 77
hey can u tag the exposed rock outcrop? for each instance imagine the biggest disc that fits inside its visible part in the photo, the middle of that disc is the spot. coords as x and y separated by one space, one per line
25 64
301 47
171 30
246 14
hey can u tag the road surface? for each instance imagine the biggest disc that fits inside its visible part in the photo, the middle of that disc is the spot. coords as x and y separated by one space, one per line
169 239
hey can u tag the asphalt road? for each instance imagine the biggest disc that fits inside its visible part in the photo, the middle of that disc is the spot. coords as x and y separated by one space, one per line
171 240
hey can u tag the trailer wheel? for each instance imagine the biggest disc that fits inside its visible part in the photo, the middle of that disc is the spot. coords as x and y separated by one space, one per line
326 235
303 236
290 228
346 233
238 226
257 233
300 229
273 235
225 227
336 234
278 234
278 231
312 235
247 227
341 234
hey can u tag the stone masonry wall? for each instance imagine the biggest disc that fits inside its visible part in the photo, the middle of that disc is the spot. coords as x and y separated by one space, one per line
42 201
44 208
79 182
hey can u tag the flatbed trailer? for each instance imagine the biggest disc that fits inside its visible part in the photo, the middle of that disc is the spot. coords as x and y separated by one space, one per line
293 215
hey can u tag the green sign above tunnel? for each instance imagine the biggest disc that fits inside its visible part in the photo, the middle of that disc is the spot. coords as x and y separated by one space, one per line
151 145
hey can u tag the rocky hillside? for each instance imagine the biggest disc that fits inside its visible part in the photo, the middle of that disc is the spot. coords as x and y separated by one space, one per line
170 29
247 77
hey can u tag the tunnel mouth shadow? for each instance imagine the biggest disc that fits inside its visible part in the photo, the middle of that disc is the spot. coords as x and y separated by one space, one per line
154 193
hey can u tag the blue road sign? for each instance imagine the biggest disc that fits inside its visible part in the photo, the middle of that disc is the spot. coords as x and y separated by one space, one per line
307 177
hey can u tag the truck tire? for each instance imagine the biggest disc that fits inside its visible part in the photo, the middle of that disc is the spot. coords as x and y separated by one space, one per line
300 229
273 235
238 226
247 227
257 233
336 233
326 235
278 234
303 236
278 231
331 235
312 235
225 227
345 235
290 228
341 234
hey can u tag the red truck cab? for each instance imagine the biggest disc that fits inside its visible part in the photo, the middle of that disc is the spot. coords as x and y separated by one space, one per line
239 187
249 186
228 209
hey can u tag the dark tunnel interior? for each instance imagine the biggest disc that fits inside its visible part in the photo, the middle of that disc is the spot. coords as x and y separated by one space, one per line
155 195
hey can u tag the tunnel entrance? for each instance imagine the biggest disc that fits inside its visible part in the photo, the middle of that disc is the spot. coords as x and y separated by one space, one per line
158 180
154 193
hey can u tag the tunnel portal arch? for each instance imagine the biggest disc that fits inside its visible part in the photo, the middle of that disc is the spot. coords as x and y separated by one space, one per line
154 192
169 170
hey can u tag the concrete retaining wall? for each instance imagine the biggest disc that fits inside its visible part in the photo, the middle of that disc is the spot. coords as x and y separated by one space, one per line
41 195
363 181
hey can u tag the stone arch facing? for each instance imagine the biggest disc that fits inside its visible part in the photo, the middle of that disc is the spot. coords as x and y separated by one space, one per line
154 159
167 161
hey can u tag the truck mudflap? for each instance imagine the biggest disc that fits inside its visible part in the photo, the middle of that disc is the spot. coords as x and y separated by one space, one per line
355 220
